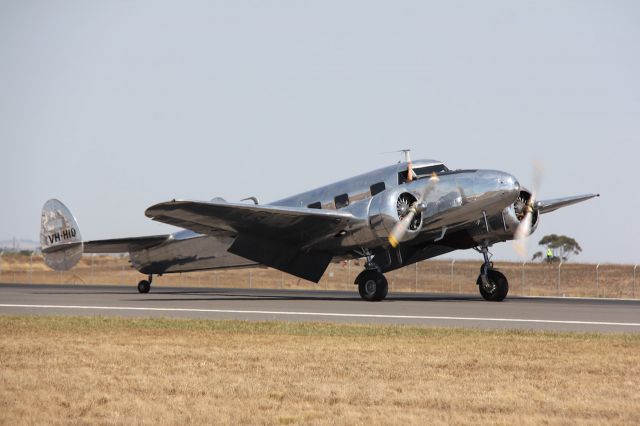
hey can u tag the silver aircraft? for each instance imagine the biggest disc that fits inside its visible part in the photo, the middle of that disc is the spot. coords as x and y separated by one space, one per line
392 217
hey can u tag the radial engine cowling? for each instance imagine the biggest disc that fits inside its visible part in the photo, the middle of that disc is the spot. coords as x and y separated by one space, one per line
388 208
503 226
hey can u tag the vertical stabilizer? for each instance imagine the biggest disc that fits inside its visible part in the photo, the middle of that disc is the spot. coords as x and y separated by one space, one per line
59 236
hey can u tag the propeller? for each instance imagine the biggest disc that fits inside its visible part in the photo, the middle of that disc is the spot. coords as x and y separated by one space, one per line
401 228
524 229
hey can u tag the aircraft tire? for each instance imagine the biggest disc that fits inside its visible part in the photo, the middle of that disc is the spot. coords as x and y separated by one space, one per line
500 286
372 285
144 286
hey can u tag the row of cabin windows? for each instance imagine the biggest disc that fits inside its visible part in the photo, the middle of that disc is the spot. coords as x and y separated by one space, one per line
342 200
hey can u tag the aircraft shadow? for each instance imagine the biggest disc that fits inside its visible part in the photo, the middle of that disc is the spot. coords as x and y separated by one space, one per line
224 296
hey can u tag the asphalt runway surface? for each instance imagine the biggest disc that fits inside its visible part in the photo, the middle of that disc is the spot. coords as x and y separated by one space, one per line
435 310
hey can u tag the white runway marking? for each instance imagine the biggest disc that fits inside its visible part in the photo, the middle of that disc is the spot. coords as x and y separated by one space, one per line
322 314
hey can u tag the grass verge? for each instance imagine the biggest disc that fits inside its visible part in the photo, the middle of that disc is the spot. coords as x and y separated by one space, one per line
110 370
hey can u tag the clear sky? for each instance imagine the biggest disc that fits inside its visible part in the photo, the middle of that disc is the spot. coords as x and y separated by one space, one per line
113 106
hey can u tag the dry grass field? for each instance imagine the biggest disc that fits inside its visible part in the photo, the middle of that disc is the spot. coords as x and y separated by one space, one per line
57 370
530 279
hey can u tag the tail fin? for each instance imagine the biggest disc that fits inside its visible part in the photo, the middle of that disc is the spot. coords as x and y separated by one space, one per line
59 236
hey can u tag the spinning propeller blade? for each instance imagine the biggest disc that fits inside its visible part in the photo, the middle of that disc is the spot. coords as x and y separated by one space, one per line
524 229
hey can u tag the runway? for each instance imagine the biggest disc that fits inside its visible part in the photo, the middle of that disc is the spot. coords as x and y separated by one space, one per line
559 314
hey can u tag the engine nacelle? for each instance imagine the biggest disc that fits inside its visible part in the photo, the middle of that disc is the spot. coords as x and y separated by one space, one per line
388 208
502 227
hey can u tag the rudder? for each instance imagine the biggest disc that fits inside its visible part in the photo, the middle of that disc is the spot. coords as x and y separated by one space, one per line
60 238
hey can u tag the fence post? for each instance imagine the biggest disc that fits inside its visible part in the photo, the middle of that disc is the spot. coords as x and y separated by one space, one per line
452 263
597 280
558 282
523 263
634 280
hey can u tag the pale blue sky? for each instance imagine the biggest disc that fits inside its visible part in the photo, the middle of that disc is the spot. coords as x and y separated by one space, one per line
113 106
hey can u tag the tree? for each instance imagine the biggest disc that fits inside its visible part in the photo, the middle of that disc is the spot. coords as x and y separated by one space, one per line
561 245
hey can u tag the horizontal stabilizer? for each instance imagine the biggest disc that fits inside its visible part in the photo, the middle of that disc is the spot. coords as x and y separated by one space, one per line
124 245
547 206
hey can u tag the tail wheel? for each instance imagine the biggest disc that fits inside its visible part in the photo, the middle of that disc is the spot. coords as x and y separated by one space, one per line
497 287
372 285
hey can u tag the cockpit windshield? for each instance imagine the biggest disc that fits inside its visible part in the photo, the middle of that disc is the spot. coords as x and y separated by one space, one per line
423 172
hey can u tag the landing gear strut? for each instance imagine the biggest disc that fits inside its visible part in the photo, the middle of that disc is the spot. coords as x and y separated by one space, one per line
493 285
372 285
144 286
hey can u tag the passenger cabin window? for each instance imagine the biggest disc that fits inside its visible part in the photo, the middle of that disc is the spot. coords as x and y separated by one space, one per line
377 188
341 201
423 172
315 205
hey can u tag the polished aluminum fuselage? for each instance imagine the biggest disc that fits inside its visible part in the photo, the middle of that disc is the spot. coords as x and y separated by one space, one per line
477 201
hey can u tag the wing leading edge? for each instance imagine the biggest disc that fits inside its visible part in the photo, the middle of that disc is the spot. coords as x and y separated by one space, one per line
272 235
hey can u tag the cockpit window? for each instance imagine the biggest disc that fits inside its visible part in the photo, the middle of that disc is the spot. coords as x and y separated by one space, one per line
423 172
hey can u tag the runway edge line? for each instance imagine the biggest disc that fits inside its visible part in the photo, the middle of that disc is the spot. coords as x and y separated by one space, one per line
320 314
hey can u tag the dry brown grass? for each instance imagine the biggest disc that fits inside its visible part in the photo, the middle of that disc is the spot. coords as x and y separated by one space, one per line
97 370
576 279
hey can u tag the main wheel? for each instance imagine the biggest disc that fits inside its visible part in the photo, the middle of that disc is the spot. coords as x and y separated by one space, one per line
372 286
497 287
144 286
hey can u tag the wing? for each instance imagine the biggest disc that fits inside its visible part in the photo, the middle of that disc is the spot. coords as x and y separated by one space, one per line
293 225
123 245
280 237
547 206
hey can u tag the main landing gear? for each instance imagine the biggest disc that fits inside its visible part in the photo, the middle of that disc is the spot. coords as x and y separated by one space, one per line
493 285
144 286
372 285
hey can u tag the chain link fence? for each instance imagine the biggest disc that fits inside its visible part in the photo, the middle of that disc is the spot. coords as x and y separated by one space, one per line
430 276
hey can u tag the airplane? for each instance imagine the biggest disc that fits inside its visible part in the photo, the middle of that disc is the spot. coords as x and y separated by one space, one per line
392 217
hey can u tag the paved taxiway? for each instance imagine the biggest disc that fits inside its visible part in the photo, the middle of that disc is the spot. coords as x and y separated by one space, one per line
337 306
